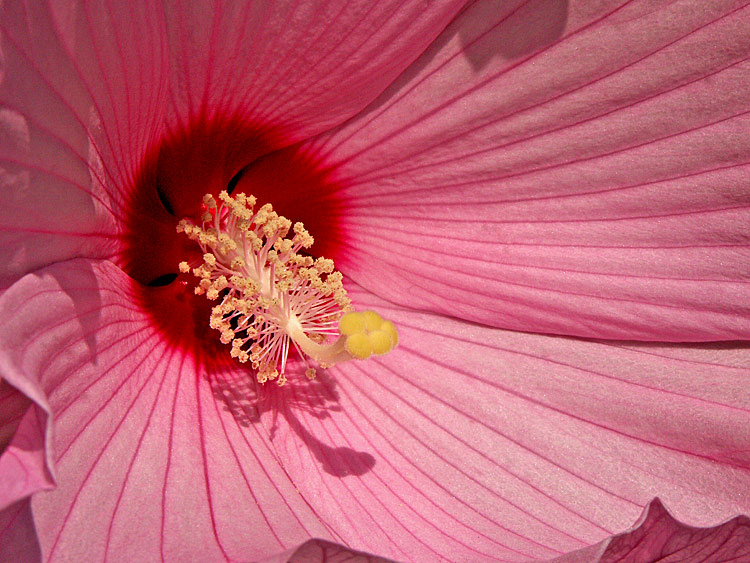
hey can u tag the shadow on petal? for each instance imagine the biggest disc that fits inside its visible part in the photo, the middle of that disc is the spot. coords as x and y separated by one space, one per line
83 293
247 401
13 405
339 462
525 29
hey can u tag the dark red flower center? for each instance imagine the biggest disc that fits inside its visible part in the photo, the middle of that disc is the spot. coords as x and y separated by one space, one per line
208 156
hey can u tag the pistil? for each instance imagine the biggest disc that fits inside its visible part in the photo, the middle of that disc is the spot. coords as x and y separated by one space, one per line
271 296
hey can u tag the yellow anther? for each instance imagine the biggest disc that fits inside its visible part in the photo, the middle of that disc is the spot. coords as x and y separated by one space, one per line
247 200
358 345
184 267
324 265
285 246
227 336
352 323
204 272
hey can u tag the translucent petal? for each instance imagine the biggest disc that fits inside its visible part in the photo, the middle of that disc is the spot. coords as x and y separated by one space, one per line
580 170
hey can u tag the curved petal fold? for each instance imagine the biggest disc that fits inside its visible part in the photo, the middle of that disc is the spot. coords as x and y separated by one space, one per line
582 170
23 464
469 443
145 444
322 551
13 405
82 95
301 67
658 534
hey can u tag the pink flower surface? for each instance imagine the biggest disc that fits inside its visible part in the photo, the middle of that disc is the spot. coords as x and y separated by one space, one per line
549 198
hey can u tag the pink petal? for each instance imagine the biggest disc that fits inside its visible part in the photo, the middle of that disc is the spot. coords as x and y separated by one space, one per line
21 469
322 551
145 444
23 464
18 541
13 405
302 67
469 443
465 443
83 92
658 536
579 170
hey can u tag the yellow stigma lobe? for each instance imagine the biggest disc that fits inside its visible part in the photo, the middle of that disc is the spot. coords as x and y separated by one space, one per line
271 297
367 334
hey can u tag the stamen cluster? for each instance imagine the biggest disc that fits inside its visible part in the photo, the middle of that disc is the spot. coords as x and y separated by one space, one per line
270 296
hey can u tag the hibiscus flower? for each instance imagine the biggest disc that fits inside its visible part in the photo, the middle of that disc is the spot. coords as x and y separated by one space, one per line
549 199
